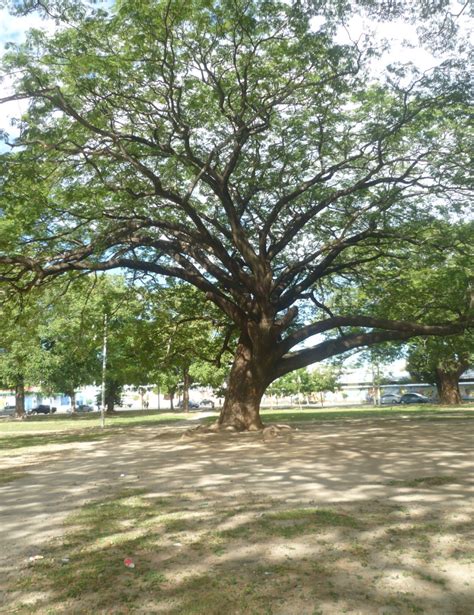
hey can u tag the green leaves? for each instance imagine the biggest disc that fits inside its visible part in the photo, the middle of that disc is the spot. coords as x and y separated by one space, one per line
228 145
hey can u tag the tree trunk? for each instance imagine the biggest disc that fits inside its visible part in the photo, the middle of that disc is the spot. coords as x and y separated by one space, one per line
73 402
186 385
171 393
111 396
109 404
447 383
248 379
20 398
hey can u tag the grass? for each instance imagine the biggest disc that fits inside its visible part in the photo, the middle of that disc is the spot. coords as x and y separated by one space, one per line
424 481
294 522
325 556
60 429
200 554
430 411
62 422
8 476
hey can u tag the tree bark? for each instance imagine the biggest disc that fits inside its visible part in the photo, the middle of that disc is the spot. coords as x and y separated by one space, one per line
73 402
20 398
186 385
447 384
248 379
111 394
171 393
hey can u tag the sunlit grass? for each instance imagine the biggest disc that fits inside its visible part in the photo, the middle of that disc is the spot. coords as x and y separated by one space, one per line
431 411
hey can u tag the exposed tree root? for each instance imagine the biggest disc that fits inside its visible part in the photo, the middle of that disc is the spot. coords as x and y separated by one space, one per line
269 432
276 431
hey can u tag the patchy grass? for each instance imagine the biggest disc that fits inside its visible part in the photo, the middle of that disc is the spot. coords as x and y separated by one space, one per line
41 431
60 429
252 556
8 476
8 443
424 481
202 554
66 422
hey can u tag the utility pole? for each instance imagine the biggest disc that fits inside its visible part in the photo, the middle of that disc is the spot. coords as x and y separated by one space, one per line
104 369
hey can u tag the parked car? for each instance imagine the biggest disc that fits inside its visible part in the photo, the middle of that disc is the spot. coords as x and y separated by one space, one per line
82 408
8 410
85 408
206 403
389 399
191 404
414 398
42 409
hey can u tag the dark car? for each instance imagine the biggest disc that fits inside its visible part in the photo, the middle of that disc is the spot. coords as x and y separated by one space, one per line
42 409
414 398
84 408
191 404
206 403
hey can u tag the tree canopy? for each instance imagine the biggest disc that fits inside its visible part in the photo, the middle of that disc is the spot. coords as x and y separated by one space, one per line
232 146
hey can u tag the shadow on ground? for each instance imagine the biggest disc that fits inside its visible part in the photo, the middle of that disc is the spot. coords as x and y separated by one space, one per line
373 518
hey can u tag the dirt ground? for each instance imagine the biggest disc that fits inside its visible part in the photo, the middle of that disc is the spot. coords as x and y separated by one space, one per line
424 468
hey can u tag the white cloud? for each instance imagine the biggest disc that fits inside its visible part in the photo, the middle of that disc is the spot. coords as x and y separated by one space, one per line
14 28
404 44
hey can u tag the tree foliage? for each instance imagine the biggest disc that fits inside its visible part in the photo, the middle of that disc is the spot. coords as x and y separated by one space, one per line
441 361
305 383
229 145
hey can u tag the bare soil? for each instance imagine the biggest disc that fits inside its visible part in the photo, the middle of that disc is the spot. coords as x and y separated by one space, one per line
405 488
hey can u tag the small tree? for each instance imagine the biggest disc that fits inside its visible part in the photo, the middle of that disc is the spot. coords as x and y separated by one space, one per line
22 347
323 380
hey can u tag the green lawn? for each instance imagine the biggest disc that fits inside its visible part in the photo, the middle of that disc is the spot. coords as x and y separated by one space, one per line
431 411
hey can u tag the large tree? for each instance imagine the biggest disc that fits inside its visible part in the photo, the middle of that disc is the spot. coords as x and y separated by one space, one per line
441 361
228 144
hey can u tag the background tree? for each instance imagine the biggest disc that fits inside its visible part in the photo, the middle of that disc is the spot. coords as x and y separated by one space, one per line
20 350
435 283
306 383
190 339
325 379
378 359
229 145
70 339
297 384
441 361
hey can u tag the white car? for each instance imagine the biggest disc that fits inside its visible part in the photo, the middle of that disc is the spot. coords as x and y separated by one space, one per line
7 410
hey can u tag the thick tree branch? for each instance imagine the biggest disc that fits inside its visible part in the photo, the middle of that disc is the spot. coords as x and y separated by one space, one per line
340 345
